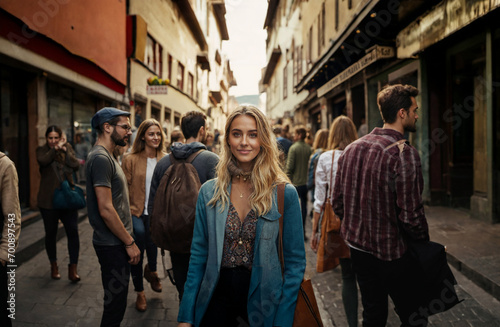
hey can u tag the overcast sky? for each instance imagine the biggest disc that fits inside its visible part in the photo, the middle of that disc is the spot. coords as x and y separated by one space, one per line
246 47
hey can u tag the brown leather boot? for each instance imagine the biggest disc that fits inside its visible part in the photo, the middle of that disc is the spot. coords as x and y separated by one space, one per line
72 274
140 303
152 278
54 270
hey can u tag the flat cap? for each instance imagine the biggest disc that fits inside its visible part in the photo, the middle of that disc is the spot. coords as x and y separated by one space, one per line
105 115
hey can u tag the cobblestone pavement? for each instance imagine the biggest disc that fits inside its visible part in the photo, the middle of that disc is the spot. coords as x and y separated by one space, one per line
41 301
479 309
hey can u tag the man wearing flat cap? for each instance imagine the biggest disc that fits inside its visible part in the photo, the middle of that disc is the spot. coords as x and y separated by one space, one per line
109 211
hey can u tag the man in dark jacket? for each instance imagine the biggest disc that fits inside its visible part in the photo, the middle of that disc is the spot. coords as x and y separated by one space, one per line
193 125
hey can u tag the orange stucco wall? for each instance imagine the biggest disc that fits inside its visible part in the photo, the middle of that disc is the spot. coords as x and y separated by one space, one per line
92 29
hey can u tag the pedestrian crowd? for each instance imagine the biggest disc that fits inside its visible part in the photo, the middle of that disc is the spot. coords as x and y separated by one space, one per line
211 200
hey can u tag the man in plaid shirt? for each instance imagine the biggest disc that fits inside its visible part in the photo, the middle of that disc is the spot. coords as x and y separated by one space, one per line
378 194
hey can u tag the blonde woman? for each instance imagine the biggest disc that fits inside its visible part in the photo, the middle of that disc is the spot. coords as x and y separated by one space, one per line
138 166
342 133
234 272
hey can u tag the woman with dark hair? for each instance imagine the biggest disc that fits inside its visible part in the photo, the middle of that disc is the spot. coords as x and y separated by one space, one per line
342 133
58 162
138 166
235 277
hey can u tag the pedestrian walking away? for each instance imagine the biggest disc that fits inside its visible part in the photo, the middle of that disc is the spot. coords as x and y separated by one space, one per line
378 194
235 277
109 211
193 125
138 166
342 133
297 167
58 162
10 220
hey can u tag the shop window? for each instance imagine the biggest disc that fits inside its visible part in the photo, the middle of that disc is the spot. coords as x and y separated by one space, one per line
180 76
190 85
153 57
155 110
336 15
299 62
169 71
323 24
285 82
310 48
320 36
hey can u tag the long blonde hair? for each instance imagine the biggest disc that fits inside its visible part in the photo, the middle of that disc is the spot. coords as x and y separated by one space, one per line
139 144
266 172
320 139
342 133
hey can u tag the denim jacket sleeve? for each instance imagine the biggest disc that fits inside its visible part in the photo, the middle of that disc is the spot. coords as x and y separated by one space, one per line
294 257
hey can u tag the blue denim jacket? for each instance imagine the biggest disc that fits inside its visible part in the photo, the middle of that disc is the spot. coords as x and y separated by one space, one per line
271 298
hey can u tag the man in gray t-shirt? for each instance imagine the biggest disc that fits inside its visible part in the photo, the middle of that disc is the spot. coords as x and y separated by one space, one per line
105 171
109 212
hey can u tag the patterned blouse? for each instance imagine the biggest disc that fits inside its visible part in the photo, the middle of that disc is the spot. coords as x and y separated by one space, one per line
239 239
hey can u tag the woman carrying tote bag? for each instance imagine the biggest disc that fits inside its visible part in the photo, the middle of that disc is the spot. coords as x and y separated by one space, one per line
57 161
342 133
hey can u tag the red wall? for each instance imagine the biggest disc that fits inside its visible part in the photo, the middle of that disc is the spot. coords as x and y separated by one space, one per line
92 29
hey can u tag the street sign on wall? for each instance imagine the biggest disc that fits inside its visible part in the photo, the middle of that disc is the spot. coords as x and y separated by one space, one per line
377 52
157 89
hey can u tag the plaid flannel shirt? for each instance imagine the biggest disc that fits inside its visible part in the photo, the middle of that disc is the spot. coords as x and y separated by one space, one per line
378 194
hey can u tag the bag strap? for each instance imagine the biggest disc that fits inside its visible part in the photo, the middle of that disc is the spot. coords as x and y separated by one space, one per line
400 144
54 164
193 156
189 159
331 177
281 207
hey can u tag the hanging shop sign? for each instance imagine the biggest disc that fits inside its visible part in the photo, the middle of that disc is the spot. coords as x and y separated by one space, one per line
377 52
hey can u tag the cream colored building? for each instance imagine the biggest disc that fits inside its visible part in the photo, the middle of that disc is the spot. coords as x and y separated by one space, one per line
284 56
179 41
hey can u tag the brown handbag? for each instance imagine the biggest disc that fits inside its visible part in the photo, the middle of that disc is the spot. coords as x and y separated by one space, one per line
331 245
306 309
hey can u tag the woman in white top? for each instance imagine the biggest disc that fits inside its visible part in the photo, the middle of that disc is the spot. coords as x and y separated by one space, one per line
342 133
138 166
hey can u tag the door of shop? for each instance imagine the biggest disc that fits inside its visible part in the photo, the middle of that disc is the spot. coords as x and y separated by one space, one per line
14 124
462 118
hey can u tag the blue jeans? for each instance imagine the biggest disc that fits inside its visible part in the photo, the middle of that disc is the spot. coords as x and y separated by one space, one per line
69 218
115 275
142 237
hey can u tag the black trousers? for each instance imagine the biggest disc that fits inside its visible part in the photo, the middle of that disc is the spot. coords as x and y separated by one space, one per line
180 267
115 275
379 279
228 306
69 218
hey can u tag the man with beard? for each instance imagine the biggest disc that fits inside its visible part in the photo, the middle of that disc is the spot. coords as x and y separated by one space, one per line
193 125
378 194
109 211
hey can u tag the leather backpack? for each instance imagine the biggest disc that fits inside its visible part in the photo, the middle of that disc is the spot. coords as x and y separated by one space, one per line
174 206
